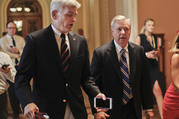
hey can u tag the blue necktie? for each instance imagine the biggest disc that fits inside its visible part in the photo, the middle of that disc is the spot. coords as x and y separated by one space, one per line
125 78
65 53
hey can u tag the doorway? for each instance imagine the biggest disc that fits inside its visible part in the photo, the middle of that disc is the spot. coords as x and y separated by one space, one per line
27 15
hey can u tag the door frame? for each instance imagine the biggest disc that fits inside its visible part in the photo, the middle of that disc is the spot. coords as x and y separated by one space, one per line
45 13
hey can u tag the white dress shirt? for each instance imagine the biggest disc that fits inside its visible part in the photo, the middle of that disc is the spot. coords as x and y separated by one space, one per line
59 40
118 50
68 113
5 59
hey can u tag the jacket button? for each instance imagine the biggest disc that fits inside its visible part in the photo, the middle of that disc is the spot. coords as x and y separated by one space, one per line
64 100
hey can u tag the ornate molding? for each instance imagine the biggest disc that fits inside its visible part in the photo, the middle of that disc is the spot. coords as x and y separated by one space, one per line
45 13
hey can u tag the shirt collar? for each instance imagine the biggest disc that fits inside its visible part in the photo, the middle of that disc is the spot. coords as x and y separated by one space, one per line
119 48
9 36
56 31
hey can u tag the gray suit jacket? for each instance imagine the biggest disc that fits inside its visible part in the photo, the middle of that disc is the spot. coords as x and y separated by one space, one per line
6 42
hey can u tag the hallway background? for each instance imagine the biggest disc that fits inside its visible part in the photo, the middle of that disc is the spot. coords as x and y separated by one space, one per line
95 16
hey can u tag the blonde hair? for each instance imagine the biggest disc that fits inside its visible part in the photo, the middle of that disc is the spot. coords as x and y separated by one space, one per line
145 22
175 47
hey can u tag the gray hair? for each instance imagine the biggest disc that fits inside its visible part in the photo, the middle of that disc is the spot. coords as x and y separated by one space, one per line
59 4
119 18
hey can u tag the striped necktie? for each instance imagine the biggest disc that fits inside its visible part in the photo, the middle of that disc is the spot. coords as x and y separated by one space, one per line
125 77
65 53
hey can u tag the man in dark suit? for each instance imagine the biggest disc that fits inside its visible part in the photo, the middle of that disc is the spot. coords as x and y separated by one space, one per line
58 62
113 79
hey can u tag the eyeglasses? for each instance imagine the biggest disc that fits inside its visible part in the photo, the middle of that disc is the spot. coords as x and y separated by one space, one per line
11 27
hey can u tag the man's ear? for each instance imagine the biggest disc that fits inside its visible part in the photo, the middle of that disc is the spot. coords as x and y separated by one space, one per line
112 30
54 14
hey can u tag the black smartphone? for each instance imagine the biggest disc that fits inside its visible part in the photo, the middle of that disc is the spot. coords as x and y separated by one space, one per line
103 104
4 66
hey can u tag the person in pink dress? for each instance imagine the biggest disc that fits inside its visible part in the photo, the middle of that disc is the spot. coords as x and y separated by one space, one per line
170 107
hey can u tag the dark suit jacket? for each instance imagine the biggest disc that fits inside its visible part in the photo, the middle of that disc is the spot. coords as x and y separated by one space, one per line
41 61
106 69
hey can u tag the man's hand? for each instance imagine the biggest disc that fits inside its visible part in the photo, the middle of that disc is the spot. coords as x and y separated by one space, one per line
14 50
29 110
101 95
149 114
5 70
152 54
101 115
101 112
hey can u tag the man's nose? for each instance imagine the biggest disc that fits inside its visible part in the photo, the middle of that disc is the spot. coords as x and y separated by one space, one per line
123 31
74 19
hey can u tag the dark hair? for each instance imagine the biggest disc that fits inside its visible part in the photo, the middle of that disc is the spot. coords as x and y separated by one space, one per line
80 31
148 19
4 33
11 21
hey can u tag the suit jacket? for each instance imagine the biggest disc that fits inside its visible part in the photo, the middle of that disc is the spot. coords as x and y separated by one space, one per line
6 42
51 87
106 70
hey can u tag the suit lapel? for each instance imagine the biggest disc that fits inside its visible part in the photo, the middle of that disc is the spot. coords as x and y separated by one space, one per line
54 47
114 59
132 61
56 53
115 63
73 48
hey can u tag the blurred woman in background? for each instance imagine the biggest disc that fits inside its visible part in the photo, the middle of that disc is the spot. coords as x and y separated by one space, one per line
150 42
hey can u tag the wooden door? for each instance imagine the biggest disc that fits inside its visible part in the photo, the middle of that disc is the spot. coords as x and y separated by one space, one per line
26 14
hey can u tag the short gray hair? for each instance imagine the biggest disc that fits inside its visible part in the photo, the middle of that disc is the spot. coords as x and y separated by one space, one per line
59 4
119 18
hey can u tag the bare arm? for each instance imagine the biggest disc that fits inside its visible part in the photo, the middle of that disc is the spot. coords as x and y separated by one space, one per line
151 54
158 47
159 42
175 70
138 41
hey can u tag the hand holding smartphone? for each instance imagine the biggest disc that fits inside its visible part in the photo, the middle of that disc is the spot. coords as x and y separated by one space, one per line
4 66
103 104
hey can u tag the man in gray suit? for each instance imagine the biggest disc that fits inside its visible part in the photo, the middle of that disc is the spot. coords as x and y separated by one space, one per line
120 71
58 62
13 45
